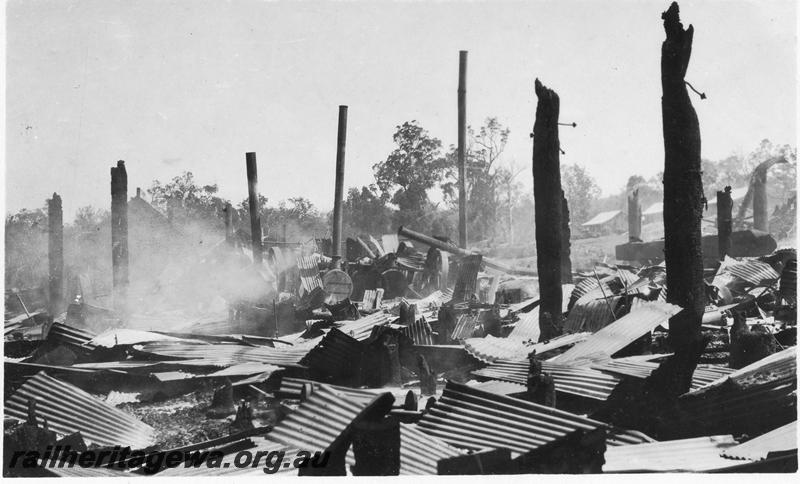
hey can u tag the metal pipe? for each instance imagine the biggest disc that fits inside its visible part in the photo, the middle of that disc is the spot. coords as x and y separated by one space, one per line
255 220
462 147
430 241
339 193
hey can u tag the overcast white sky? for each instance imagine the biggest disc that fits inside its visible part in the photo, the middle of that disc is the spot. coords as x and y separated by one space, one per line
182 85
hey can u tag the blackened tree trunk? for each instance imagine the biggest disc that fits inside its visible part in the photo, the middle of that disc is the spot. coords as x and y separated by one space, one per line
683 196
547 199
119 235
724 222
55 254
566 263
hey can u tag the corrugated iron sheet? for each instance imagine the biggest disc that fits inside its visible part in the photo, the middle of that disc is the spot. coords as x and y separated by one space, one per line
582 382
473 419
292 387
420 452
491 349
69 409
753 271
526 327
732 401
61 334
465 327
318 421
591 315
229 354
500 387
779 365
337 355
309 273
703 374
467 279
622 332
686 455
361 329
782 438
419 332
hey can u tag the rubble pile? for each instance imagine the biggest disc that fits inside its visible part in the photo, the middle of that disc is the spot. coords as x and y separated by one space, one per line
403 358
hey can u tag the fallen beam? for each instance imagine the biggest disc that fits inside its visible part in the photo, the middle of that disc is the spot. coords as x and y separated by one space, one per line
430 241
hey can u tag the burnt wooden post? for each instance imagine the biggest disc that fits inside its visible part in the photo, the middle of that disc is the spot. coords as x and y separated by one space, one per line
724 222
255 220
119 235
760 213
566 263
634 216
55 253
228 210
339 192
547 198
683 197
462 149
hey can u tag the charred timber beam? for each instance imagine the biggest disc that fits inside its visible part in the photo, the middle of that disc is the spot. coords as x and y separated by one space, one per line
683 194
462 149
724 222
547 199
430 241
339 191
55 253
255 220
119 235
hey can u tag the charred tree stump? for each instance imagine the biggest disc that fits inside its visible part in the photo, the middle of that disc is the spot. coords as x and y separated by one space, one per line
547 197
683 196
339 188
724 222
462 149
566 263
255 220
119 235
55 254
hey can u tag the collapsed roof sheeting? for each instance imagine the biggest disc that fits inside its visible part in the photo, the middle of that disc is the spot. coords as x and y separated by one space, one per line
230 353
753 271
420 452
692 455
318 421
491 348
703 375
69 409
582 382
361 329
782 438
621 332
474 419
